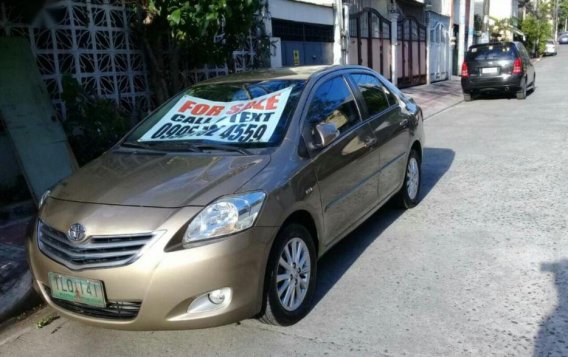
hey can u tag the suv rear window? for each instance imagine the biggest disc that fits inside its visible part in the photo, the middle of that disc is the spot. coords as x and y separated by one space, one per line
491 52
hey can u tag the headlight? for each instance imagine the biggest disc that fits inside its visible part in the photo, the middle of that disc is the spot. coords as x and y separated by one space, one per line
227 215
43 198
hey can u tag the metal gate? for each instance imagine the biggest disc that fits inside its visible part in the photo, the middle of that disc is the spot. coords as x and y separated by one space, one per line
370 42
411 56
439 52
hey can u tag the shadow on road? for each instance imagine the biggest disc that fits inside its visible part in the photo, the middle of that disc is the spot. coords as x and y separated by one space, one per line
339 259
552 338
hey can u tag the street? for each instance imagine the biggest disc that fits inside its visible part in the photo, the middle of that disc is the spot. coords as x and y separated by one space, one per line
478 268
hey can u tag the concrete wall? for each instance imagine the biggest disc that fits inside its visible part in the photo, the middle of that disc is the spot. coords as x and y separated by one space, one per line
502 9
303 11
308 11
442 7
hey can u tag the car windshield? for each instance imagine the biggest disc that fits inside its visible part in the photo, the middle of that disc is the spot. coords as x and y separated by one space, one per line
491 52
223 116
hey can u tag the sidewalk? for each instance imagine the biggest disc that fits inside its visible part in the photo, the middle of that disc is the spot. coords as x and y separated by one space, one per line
436 97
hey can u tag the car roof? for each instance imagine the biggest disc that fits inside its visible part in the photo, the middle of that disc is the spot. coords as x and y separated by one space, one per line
288 73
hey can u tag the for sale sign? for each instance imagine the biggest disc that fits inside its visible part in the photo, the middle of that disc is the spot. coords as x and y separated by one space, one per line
248 121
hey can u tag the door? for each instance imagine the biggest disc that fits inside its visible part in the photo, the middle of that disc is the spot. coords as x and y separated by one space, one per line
391 128
439 44
370 41
345 169
411 54
489 62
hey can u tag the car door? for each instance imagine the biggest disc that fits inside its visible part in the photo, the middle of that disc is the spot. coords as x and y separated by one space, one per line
345 168
391 128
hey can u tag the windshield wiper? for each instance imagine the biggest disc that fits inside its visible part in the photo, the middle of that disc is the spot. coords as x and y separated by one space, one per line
131 144
222 147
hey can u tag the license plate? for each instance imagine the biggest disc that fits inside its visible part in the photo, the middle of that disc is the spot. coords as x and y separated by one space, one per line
83 291
490 70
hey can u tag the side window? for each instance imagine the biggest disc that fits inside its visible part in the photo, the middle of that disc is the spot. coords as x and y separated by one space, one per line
334 103
373 93
393 100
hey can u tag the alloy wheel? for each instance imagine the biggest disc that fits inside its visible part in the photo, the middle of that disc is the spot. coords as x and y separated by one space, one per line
412 178
293 274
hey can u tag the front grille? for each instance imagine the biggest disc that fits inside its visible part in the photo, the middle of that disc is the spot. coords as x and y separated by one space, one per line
94 252
121 310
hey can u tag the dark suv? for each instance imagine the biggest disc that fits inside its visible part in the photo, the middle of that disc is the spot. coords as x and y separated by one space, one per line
503 66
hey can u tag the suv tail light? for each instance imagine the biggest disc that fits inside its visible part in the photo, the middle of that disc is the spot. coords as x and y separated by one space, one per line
518 66
465 70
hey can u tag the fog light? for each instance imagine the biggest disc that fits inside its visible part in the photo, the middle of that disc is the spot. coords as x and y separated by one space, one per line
213 300
217 296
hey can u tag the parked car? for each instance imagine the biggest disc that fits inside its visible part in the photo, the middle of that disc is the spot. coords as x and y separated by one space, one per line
550 49
563 39
217 206
502 67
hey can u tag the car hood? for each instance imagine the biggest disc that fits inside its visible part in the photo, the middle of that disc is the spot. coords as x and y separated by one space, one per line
159 180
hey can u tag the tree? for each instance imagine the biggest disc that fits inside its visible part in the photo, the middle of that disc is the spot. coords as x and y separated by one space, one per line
537 32
537 28
563 14
178 35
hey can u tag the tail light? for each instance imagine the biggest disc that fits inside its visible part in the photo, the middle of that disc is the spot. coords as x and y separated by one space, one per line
518 66
465 70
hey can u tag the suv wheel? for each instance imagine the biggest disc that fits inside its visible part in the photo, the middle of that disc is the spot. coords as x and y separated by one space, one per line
522 93
291 277
409 194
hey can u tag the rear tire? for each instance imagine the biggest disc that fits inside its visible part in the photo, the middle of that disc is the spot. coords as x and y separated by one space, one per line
409 194
522 93
467 97
287 273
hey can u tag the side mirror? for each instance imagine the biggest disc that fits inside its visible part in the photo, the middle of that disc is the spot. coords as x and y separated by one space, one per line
324 134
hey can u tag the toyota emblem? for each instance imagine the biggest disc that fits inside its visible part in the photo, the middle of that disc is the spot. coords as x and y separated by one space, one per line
76 232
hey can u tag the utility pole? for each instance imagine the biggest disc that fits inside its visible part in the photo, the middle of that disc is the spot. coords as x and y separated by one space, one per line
555 27
461 34
470 24
485 24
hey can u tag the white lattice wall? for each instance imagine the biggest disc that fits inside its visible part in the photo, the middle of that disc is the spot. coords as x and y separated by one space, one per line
90 40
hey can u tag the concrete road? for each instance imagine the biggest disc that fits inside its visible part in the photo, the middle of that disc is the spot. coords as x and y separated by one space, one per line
479 268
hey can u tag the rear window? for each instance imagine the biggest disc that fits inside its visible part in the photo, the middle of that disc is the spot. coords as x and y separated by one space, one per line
491 52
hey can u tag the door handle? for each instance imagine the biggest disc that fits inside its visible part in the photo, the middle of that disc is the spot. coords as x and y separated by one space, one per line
370 142
404 123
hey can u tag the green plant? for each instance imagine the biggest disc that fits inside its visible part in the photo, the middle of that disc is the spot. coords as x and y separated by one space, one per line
93 124
537 31
178 35
46 320
563 14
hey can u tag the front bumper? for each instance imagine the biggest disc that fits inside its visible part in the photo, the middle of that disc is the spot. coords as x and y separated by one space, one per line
164 283
503 82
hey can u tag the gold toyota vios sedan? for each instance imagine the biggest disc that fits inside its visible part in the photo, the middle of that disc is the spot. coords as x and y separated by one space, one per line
217 206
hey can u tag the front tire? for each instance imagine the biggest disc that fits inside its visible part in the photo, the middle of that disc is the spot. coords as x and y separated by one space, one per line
409 194
291 277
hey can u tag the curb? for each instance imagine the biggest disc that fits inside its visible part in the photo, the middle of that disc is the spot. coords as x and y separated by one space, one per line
443 110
